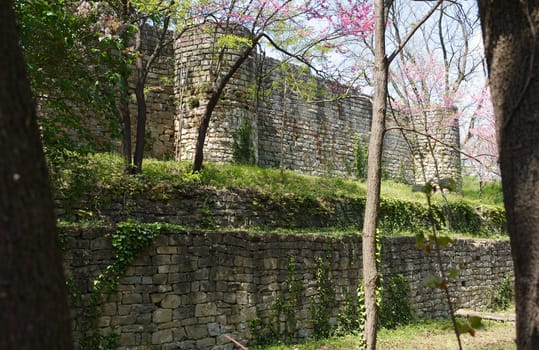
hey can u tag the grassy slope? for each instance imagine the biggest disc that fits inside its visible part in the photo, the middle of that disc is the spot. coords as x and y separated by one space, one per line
104 171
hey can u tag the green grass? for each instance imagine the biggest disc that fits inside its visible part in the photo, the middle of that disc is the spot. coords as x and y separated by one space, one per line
488 192
101 176
107 170
425 335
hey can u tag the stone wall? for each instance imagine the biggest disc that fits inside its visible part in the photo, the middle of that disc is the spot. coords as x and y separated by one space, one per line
160 102
190 289
435 157
198 68
313 134
316 134
160 107
237 208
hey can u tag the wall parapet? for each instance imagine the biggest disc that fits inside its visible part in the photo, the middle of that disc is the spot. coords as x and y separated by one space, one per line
191 288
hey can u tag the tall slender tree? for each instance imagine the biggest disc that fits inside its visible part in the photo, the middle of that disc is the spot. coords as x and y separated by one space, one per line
374 163
33 300
510 35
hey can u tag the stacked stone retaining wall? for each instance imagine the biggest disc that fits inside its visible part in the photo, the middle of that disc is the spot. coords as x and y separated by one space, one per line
191 288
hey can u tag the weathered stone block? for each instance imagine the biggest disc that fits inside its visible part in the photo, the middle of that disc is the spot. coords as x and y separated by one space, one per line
214 329
171 302
196 332
127 339
161 337
162 315
208 309
109 309
122 320
161 259
131 298
160 279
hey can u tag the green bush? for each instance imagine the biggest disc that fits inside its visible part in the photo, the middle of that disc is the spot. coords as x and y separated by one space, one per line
395 309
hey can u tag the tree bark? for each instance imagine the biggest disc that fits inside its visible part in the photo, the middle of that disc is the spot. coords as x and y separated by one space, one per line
141 72
510 39
33 300
125 122
374 172
125 114
216 95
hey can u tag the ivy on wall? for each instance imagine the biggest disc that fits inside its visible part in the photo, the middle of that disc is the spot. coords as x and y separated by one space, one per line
242 147
128 242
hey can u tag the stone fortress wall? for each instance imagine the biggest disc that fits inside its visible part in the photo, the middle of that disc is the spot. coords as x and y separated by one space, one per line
190 289
285 128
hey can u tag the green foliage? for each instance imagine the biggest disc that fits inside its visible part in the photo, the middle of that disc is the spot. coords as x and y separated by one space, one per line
469 325
398 215
193 102
283 310
94 181
395 309
489 192
418 335
232 41
361 155
130 239
322 306
502 298
59 45
242 147
350 319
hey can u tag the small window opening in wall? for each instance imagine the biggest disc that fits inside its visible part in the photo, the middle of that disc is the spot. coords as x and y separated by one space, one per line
476 258
463 283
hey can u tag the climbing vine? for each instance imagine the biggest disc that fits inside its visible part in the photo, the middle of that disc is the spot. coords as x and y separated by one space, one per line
503 295
242 147
284 308
395 308
322 307
361 153
128 242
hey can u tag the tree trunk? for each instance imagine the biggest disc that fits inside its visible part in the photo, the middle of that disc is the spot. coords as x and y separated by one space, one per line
216 95
125 122
125 115
370 273
33 300
141 106
511 44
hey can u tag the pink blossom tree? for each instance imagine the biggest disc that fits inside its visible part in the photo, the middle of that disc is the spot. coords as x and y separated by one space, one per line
277 24
438 72
480 139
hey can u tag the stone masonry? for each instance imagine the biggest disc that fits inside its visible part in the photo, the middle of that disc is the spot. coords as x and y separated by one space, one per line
191 288
312 134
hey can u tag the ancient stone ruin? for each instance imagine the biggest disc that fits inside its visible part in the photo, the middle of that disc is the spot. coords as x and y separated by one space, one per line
278 125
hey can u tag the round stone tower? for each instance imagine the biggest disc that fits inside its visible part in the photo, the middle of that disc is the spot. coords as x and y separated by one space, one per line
436 156
203 55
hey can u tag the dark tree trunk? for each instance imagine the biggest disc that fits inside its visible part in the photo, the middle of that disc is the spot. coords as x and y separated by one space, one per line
374 177
33 301
125 122
216 95
141 111
125 114
511 48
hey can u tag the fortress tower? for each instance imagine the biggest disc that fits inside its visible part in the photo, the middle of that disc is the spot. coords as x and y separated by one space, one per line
200 63
276 125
